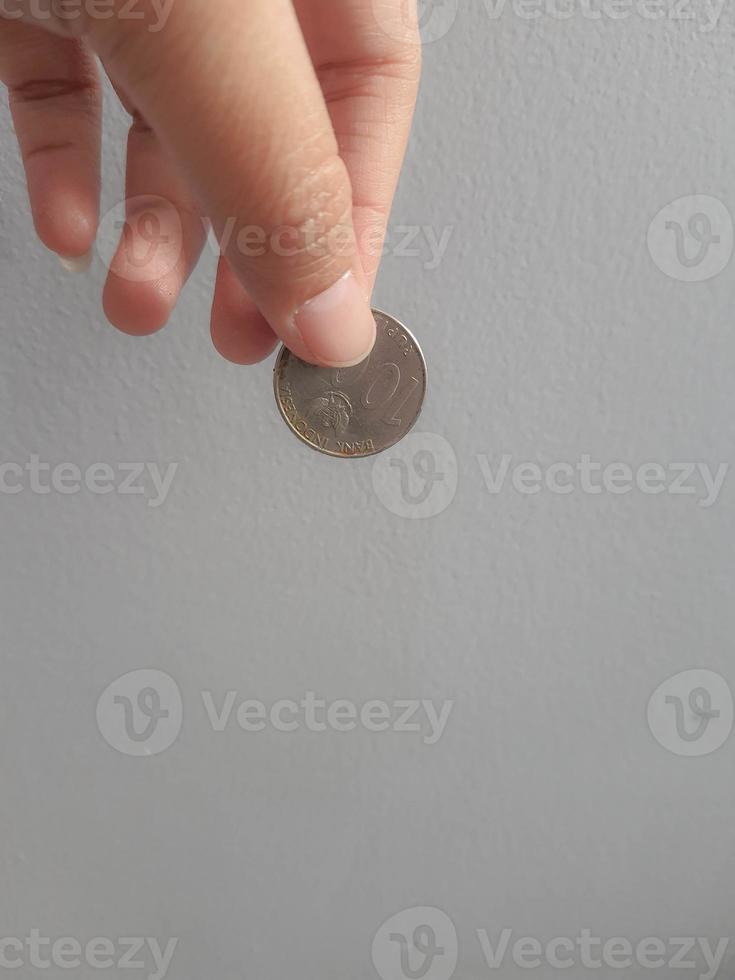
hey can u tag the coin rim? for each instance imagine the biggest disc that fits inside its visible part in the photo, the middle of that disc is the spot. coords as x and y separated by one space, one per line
284 352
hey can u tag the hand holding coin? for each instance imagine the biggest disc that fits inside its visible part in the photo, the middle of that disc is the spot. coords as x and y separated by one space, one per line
282 123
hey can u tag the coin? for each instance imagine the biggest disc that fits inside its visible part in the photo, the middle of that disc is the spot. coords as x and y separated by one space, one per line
356 411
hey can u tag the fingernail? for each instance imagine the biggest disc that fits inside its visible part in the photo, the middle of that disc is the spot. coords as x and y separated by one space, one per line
337 326
76 263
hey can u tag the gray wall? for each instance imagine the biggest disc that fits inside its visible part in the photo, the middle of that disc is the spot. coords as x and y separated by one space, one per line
560 796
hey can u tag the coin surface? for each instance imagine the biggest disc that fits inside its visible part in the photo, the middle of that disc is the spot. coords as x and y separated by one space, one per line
357 411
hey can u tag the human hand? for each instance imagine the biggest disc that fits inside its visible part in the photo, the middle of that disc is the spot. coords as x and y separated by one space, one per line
282 122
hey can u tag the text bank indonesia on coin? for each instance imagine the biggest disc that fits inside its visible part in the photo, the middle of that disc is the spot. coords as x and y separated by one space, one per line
360 410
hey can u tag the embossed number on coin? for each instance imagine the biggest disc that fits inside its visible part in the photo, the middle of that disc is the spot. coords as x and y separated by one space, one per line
355 411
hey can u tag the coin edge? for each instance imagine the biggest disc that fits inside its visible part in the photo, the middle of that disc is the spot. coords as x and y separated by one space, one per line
284 352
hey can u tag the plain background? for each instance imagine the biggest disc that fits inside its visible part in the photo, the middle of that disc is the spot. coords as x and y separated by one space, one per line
547 806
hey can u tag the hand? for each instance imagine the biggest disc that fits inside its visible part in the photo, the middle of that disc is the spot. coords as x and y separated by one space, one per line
283 124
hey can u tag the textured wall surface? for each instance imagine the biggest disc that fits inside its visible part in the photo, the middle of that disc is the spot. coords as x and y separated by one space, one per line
557 329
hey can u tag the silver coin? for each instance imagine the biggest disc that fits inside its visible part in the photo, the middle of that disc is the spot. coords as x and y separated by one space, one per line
355 411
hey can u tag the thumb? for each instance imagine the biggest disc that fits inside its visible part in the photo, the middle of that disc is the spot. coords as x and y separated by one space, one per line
231 92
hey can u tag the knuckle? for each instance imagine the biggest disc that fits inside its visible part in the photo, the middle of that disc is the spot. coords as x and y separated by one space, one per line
47 149
319 191
55 89
410 62
314 215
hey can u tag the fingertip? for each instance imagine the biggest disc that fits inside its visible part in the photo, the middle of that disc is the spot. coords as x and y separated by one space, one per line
246 342
67 227
148 270
137 309
239 331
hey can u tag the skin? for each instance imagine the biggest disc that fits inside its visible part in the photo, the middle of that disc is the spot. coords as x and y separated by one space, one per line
291 116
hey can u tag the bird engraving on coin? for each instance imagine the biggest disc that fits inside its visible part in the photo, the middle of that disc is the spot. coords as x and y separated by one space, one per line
357 411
